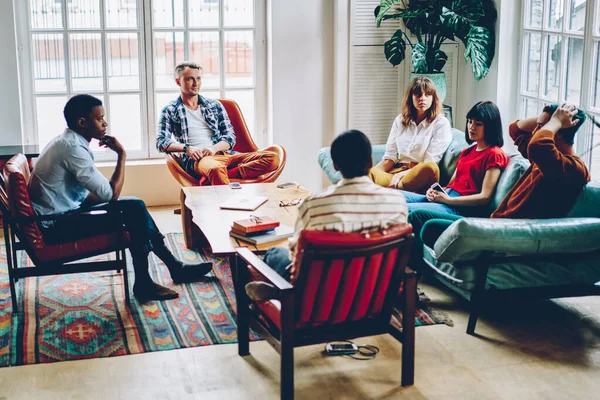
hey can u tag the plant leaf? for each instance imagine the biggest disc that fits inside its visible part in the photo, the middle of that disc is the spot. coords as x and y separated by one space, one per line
439 60
395 48
479 50
419 58
383 8
462 16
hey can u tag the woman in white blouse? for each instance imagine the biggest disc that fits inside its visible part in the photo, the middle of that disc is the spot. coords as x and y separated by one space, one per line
417 142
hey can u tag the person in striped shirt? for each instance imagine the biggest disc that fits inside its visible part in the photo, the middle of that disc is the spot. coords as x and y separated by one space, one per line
355 204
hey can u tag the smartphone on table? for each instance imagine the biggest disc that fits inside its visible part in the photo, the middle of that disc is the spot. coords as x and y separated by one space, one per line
286 185
235 185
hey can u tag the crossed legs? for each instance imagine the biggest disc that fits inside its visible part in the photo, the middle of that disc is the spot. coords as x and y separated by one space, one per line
219 168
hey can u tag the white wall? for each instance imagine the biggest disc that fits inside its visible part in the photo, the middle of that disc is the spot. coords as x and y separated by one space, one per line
301 84
499 85
10 111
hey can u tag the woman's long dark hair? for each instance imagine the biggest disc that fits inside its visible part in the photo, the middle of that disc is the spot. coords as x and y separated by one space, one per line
487 113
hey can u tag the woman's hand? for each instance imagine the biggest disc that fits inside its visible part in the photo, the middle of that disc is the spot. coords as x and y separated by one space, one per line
397 178
436 196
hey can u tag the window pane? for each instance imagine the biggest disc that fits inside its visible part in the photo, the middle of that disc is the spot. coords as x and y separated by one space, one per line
530 108
596 79
48 63
123 68
125 120
555 14
576 15
167 13
238 13
84 14
553 63
245 100
86 62
574 65
168 52
204 50
534 13
239 58
50 120
45 14
203 13
595 164
121 13
531 69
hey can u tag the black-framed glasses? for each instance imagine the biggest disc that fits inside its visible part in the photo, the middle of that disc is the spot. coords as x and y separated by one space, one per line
257 220
288 203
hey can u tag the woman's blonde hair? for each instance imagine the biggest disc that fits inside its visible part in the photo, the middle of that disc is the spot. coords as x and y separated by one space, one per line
418 86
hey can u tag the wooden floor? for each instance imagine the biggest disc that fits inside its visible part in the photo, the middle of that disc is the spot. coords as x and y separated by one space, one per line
547 350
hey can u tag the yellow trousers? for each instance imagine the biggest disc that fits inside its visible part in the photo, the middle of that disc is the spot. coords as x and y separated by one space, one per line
418 178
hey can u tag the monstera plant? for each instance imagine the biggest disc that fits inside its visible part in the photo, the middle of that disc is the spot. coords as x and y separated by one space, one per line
431 23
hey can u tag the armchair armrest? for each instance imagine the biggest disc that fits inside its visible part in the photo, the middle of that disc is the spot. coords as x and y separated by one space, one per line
55 217
263 269
467 238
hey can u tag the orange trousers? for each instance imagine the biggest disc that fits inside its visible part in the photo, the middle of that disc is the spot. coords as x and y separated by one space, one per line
249 165
418 179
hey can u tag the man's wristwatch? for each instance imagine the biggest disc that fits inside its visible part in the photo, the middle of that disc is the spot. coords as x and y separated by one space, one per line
185 147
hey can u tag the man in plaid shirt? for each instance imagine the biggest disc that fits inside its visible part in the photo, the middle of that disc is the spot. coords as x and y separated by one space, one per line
200 128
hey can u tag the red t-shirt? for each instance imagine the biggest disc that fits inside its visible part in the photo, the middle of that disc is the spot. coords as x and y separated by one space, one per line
472 166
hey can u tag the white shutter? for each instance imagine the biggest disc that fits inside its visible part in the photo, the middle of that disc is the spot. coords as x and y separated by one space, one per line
373 97
375 88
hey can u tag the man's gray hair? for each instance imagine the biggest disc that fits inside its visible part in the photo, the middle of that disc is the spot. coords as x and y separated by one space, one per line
186 64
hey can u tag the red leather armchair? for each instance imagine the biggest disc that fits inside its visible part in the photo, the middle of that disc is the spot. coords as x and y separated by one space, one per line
244 144
346 286
22 233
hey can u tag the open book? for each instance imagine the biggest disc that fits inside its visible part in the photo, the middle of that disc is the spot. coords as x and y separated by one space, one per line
246 203
281 232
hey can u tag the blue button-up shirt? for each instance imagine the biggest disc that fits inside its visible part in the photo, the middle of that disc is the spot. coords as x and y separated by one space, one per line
65 174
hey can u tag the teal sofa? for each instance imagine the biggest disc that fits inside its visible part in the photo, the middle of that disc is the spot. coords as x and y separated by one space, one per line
484 259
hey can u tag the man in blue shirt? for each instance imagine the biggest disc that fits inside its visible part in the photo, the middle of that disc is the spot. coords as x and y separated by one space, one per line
65 179
200 128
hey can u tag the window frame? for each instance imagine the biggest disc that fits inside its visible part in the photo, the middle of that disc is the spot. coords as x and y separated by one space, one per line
146 71
591 37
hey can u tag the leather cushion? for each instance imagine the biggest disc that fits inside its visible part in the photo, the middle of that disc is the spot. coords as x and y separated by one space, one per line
82 248
16 176
468 237
517 165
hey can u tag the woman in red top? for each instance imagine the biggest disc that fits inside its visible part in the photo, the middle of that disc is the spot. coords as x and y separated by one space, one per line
477 170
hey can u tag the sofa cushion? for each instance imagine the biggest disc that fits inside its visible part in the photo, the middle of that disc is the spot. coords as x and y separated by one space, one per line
448 162
588 202
517 165
469 237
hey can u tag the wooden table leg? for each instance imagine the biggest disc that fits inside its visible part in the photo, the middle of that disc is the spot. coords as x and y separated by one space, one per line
194 239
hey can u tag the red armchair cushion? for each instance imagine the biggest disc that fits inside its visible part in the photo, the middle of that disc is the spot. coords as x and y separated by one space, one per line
16 176
335 293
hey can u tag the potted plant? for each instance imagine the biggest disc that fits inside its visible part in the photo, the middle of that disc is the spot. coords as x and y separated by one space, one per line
431 23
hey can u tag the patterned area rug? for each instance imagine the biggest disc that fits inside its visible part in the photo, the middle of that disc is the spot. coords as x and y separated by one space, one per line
81 316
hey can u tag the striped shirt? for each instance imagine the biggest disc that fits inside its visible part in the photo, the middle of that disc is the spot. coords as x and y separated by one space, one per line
353 205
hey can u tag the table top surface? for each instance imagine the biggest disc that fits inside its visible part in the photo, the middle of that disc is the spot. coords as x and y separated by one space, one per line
215 223
6 152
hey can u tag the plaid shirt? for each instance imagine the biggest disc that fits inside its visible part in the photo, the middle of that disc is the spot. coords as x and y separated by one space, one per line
173 125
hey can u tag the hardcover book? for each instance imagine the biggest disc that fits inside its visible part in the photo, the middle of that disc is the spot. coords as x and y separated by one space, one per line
281 232
256 224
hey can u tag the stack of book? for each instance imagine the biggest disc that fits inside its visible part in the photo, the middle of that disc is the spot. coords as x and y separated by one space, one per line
260 230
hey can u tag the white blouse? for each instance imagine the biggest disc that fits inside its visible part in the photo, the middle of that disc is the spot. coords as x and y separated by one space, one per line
418 143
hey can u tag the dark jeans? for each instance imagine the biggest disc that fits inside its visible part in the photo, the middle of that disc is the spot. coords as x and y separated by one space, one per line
143 232
278 258
437 223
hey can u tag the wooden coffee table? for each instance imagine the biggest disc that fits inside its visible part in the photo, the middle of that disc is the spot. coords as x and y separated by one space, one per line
204 223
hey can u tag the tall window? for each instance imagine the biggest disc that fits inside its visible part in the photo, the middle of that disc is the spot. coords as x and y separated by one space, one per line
561 62
124 52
